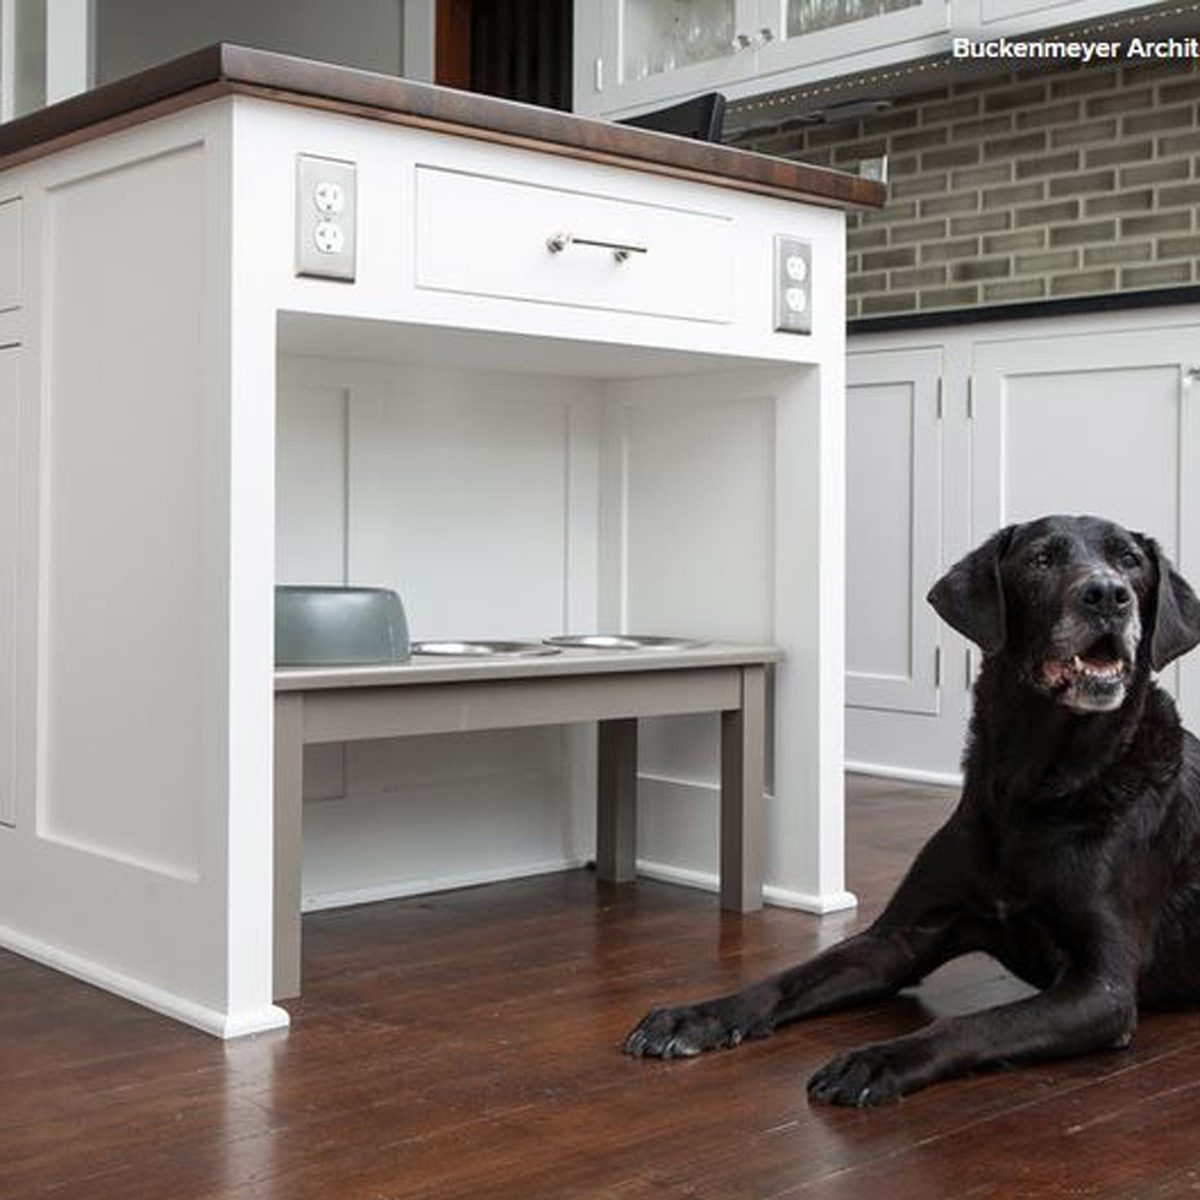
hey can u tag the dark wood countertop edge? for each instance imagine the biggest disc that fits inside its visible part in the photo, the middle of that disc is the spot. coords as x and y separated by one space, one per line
223 69
1026 310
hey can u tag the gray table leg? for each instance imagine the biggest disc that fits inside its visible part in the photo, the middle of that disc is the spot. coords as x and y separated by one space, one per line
289 779
616 811
743 736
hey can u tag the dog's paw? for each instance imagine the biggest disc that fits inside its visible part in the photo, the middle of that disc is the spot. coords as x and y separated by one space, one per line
870 1076
692 1029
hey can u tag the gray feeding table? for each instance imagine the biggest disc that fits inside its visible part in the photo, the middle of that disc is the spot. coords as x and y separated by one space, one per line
614 688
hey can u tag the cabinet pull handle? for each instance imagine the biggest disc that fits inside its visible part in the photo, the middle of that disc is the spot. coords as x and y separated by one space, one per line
557 242
1191 375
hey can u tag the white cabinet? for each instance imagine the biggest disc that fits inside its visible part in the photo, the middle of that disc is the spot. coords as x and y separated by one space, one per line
1099 423
1096 414
893 520
634 55
520 441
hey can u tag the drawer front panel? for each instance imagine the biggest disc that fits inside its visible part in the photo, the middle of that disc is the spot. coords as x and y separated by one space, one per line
491 237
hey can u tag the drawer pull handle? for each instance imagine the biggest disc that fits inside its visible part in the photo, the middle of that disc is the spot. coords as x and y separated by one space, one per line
557 242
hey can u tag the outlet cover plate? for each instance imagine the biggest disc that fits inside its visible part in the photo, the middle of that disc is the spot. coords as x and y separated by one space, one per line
326 217
793 285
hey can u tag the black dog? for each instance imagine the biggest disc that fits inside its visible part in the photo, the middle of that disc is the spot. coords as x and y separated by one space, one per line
1074 855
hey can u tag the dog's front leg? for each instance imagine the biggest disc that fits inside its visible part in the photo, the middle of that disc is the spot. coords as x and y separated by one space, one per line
865 967
921 927
1080 1014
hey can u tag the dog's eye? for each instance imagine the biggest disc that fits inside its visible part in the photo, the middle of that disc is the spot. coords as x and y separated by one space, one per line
1130 559
1042 559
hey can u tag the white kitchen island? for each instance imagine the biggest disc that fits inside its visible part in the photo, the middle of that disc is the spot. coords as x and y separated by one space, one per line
551 397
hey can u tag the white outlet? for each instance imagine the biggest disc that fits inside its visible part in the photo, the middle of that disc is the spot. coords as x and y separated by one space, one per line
326 217
329 238
797 268
329 197
792 280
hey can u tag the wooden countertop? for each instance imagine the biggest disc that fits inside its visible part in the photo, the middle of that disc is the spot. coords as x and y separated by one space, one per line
224 69
569 662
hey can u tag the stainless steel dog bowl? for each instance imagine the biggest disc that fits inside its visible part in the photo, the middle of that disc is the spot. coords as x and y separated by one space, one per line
621 641
319 626
483 649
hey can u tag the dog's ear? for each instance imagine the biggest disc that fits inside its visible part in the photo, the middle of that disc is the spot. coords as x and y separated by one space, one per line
970 596
1176 610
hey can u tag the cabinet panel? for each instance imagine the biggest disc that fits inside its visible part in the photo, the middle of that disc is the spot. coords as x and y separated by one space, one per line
1090 424
9 462
10 254
893 520
696 504
311 485
127 528
457 499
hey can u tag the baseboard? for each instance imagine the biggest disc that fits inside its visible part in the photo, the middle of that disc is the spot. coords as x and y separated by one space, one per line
344 898
906 774
821 903
709 881
170 1004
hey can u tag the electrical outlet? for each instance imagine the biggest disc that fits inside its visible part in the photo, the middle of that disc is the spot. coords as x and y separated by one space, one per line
326 217
793 285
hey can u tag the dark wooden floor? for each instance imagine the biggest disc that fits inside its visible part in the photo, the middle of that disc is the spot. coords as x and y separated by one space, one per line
465 1045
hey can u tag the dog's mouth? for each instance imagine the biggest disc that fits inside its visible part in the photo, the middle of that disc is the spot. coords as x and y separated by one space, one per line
1091 680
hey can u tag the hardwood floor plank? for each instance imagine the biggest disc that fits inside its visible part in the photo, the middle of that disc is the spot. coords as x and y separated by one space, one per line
468 1044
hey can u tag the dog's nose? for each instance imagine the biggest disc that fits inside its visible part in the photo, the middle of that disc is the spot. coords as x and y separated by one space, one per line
1106 594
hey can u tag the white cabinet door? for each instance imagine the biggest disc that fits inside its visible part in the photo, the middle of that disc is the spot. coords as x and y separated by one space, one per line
9 480
1103 424
893 519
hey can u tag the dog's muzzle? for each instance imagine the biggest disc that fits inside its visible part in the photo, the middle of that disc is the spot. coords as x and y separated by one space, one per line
1094 645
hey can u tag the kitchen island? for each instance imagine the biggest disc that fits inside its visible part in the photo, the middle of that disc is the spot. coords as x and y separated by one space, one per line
262 320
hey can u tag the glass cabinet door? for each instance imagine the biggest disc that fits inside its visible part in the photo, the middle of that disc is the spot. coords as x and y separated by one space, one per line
668 47
808 16
664 35
812 31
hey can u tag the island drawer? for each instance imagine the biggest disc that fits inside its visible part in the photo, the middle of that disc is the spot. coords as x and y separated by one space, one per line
500 237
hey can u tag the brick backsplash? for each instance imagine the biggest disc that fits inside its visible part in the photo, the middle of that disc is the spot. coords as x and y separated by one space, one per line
1035 186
